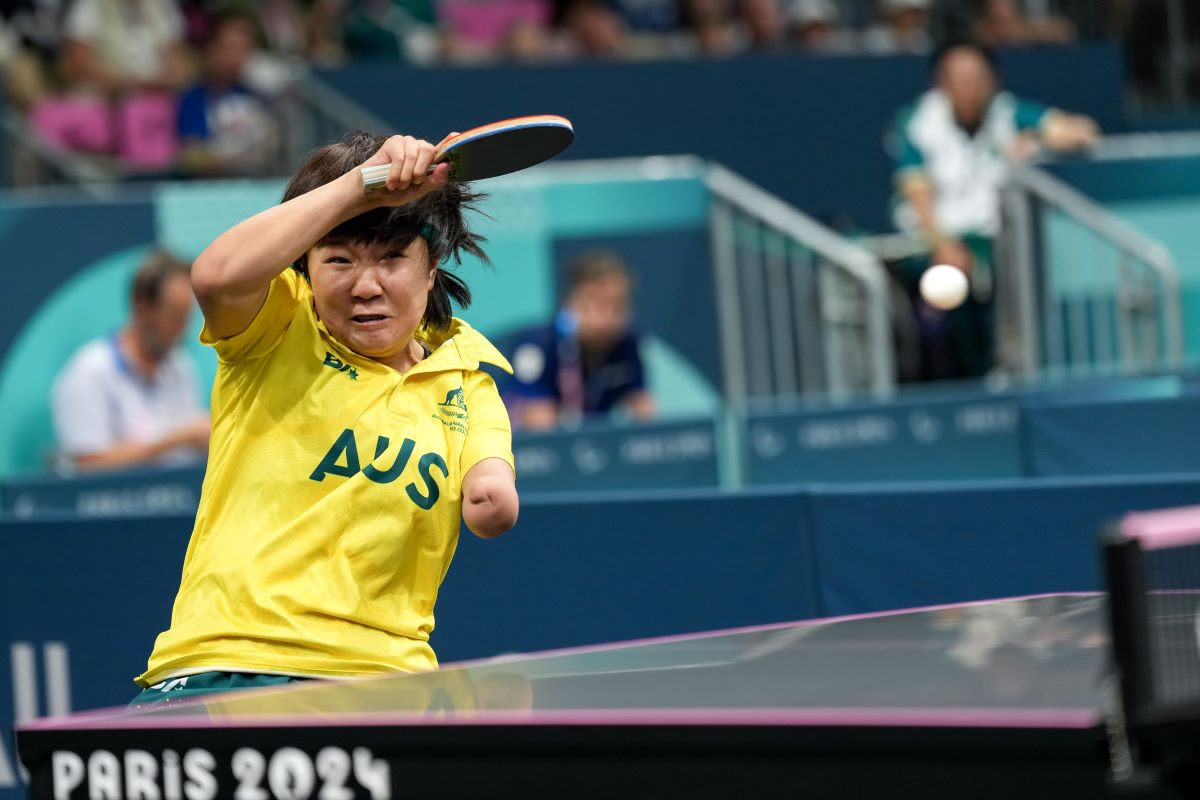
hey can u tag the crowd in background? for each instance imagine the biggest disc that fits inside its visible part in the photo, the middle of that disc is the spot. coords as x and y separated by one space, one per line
192 86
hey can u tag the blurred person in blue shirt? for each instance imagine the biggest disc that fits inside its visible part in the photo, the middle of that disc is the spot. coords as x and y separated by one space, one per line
225 128
587 361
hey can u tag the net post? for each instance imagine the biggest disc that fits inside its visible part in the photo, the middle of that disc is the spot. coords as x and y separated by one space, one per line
1128 622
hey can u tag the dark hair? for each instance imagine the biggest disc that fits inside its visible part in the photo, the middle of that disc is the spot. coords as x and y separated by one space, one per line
950 45
234 15
439 218
153 273
594 265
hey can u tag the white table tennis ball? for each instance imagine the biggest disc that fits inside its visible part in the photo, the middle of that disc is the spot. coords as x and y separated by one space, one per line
944 287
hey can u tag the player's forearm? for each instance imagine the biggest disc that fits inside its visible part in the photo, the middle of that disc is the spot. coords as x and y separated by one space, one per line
490 503
126 454
919 194
1067 132
243 260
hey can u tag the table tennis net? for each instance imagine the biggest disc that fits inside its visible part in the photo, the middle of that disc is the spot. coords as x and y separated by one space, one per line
1173 606
1155 591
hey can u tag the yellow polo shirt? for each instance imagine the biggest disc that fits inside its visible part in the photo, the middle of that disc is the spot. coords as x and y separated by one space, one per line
332 502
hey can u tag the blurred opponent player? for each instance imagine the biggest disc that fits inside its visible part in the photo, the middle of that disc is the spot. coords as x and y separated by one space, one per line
352 431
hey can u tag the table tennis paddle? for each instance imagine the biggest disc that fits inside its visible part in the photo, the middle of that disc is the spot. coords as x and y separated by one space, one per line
502 147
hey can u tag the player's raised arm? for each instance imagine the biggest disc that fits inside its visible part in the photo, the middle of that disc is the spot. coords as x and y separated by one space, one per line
231 276
490 503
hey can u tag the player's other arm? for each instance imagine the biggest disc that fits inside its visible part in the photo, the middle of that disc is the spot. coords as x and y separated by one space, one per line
490 503
231 277
193 434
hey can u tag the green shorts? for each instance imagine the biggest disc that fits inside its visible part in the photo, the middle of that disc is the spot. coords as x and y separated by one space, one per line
175 689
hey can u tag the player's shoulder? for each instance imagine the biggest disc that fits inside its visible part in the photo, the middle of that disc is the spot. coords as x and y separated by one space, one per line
928 104
95 362
95 357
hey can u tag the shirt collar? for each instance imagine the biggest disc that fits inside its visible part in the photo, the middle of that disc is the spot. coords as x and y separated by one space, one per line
459 346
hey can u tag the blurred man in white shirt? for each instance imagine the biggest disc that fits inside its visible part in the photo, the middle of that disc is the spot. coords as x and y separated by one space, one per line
132 398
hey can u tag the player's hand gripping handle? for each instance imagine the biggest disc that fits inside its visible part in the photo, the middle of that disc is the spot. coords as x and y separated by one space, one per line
401 162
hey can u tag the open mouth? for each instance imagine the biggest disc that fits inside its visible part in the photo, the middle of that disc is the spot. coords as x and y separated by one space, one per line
367 318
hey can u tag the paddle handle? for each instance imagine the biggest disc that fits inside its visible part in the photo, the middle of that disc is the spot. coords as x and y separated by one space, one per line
374 178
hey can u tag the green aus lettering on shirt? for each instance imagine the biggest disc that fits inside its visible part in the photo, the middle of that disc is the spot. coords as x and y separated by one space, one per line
342 460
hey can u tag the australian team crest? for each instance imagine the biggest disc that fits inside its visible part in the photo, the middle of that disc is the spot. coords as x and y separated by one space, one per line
453 411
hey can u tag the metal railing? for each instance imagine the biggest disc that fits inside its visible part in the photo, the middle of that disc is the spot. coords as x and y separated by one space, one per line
801 309
1087 293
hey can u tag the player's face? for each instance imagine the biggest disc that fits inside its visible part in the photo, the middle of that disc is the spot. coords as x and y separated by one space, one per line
966 79
161 325
372 297
601 309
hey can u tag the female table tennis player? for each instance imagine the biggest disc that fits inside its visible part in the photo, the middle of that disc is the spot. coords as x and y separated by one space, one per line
352 431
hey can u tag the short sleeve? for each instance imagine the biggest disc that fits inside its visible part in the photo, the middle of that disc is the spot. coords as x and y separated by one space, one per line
489 432
268 326
907 158
82 422
1029 114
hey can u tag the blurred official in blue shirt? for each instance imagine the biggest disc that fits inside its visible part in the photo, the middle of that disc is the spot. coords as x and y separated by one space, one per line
587 361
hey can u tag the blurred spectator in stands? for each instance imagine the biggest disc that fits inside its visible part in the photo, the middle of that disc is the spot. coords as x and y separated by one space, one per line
586 362
324 28
660 17
814 26
281 23
764 24
474 30
1003 23
132 398
952 148
119 46
224 127
904 29
121 63
392 30
709 27
30 36
528 42
593 29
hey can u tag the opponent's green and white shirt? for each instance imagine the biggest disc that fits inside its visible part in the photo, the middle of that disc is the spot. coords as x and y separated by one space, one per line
967 171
